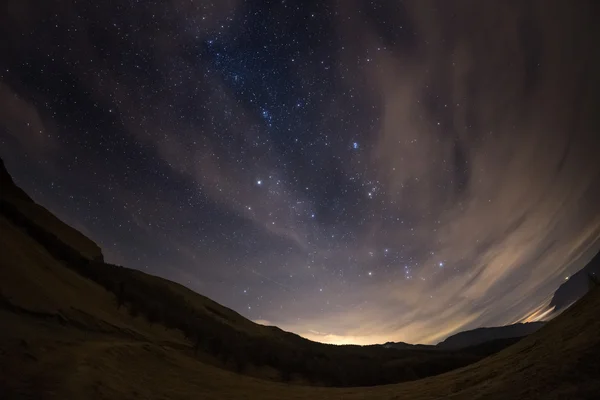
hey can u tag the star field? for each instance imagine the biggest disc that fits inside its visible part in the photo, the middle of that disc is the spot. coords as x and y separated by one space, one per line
356 172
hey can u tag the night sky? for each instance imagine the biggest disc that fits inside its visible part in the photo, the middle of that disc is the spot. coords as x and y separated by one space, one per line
352 171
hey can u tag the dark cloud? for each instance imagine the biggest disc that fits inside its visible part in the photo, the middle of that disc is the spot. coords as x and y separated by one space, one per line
354 172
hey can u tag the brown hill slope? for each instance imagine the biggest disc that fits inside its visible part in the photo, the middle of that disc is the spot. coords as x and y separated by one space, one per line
65 336
576 286
45 277
42 359
35 282
12 195
481 335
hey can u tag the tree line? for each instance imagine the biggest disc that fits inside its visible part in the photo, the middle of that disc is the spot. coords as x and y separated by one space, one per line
292 356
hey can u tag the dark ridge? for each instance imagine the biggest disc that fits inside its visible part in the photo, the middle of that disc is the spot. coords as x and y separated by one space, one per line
481 335
219 332
576 286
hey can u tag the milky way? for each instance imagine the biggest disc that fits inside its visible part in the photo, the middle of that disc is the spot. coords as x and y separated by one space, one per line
352 171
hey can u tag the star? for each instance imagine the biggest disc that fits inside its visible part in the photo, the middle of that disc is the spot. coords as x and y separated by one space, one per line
204 141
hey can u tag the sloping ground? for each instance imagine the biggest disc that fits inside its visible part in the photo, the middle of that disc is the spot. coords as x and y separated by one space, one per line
44 360
43 276
576 286
212 308
13 196
481 335
34 284
63 337
13 200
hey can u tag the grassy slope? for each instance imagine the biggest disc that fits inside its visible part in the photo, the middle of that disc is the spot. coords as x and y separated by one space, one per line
34 283
43 359
13 195
64 337
212 308
68 340
18 198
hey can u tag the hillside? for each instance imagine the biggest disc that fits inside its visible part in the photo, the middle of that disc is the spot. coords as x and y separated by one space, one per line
576 286
487 340
79 328
481 335
45 277
559 361
13 196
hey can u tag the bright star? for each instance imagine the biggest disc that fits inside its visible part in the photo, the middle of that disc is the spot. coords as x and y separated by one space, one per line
259 182
355 145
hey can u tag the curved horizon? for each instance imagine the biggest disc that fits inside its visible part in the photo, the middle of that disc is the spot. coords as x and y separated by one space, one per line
358 174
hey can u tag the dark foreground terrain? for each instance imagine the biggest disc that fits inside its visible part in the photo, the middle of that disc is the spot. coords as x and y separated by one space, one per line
74 327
